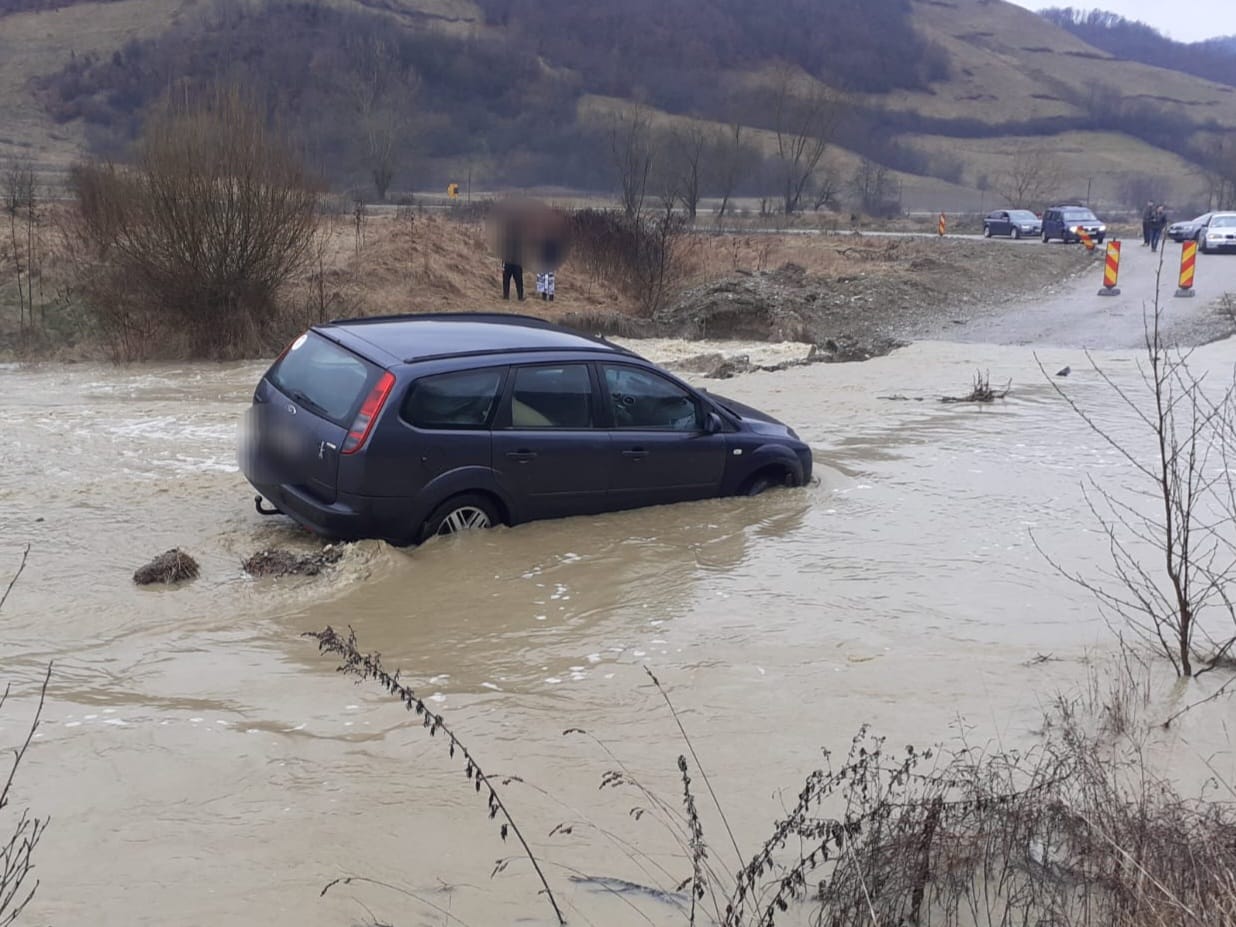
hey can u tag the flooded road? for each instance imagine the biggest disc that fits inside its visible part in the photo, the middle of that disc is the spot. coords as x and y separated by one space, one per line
202 763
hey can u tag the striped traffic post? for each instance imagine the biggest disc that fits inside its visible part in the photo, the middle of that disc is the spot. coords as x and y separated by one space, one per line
1084 237
940 225
1111 270
1188 258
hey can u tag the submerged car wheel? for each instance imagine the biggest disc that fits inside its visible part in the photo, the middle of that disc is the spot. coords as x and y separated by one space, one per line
466 512
769 479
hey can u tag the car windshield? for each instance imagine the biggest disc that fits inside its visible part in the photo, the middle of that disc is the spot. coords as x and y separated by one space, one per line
1022 215
1226 222
1079 215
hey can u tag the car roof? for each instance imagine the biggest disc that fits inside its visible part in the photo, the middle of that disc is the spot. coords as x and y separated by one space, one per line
423 336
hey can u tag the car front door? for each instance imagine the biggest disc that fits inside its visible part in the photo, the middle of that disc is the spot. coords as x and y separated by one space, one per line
1002 225
659 451
549 456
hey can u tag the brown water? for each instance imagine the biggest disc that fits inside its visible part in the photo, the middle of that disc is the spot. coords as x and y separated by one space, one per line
202 764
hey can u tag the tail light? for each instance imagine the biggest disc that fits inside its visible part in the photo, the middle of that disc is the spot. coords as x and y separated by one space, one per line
369 410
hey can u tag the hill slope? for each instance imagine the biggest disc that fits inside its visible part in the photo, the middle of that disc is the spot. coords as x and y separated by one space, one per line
499 87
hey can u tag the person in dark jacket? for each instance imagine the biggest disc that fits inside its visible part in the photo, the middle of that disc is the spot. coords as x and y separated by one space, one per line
1157 224
1147 220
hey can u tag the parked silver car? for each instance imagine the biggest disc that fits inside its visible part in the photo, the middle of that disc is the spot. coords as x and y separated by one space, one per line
1188 229
1219 233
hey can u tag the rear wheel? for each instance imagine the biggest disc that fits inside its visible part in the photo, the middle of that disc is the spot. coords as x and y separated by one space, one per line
465 512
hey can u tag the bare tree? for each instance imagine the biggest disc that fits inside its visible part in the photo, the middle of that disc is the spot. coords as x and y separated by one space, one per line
735 159
1033 176
21 206
631 149
689 147
1218 160
204 231
1180 601
875 189
19 839
378 80
805 115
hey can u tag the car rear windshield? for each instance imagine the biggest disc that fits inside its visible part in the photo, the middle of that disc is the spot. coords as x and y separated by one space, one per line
323 377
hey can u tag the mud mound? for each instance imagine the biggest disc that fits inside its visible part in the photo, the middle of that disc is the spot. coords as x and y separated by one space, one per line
274 561
171 566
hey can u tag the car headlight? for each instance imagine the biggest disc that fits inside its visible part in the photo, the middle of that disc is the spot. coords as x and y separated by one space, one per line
1102 228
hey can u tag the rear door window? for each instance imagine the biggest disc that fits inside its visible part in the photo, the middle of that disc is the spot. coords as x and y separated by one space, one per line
465 399
325 378
552 397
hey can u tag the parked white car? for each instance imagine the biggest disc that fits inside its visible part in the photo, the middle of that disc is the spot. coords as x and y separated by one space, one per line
1219 233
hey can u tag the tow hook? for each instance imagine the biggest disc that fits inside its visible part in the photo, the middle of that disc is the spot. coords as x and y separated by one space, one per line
257 504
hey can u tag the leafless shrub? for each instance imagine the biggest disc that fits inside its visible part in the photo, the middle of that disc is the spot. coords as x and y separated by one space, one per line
981 391
193 243
1178 602
646 258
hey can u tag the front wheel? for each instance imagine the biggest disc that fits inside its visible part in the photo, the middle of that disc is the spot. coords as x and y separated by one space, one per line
1016 233
1045 238
465 512
987 231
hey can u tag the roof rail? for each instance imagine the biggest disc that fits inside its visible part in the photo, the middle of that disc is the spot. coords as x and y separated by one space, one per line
600 348
507 317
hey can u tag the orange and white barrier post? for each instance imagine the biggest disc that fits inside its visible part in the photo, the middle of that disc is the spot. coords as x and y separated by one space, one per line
940 225
1085 239
1111 270
1188 260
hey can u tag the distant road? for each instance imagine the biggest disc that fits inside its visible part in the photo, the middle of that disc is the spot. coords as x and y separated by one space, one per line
1074 315
875 233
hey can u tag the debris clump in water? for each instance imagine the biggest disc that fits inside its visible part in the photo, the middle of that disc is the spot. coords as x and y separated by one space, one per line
171 566
274 561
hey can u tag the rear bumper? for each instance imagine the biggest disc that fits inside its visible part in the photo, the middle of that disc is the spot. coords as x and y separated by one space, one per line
345 519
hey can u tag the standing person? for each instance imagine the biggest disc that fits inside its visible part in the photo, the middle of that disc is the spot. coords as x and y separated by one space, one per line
1147 221
512 262
1157 225
549 258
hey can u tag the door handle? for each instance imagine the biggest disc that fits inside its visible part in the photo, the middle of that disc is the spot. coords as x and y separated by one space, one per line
635 453
522 456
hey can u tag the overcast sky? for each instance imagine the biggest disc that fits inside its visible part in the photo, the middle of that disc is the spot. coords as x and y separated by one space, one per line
1184 22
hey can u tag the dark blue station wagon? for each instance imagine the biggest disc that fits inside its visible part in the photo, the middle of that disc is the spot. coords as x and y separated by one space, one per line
403 427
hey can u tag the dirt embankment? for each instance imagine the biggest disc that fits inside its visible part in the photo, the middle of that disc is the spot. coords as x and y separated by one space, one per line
851 295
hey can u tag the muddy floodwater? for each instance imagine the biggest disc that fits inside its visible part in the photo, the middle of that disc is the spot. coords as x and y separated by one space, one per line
201 762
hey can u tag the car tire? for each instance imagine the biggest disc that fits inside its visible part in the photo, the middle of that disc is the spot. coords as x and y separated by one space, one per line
1099 240
987 231
1045 238
1015 234
465 512
768 479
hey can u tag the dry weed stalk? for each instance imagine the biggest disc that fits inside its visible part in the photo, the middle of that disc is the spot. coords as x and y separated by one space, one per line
368 666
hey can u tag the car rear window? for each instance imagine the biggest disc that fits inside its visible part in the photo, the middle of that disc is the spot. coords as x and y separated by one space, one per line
464 399
322 376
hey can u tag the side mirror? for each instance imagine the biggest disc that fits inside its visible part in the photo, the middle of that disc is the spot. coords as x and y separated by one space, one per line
713 424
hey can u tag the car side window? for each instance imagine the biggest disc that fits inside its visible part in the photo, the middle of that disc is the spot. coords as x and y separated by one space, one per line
465 399
642 399
552 397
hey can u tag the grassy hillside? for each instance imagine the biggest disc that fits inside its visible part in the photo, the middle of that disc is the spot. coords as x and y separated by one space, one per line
943 92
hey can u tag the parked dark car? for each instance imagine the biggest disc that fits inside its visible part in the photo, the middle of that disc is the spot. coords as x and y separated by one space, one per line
1188 229
404 427
1015 223
1219 233
1066 221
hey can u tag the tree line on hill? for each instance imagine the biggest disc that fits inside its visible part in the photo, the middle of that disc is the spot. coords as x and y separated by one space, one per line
1213 60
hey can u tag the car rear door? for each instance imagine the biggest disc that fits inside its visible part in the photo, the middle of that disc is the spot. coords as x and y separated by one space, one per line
660 451
300 415
549 455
